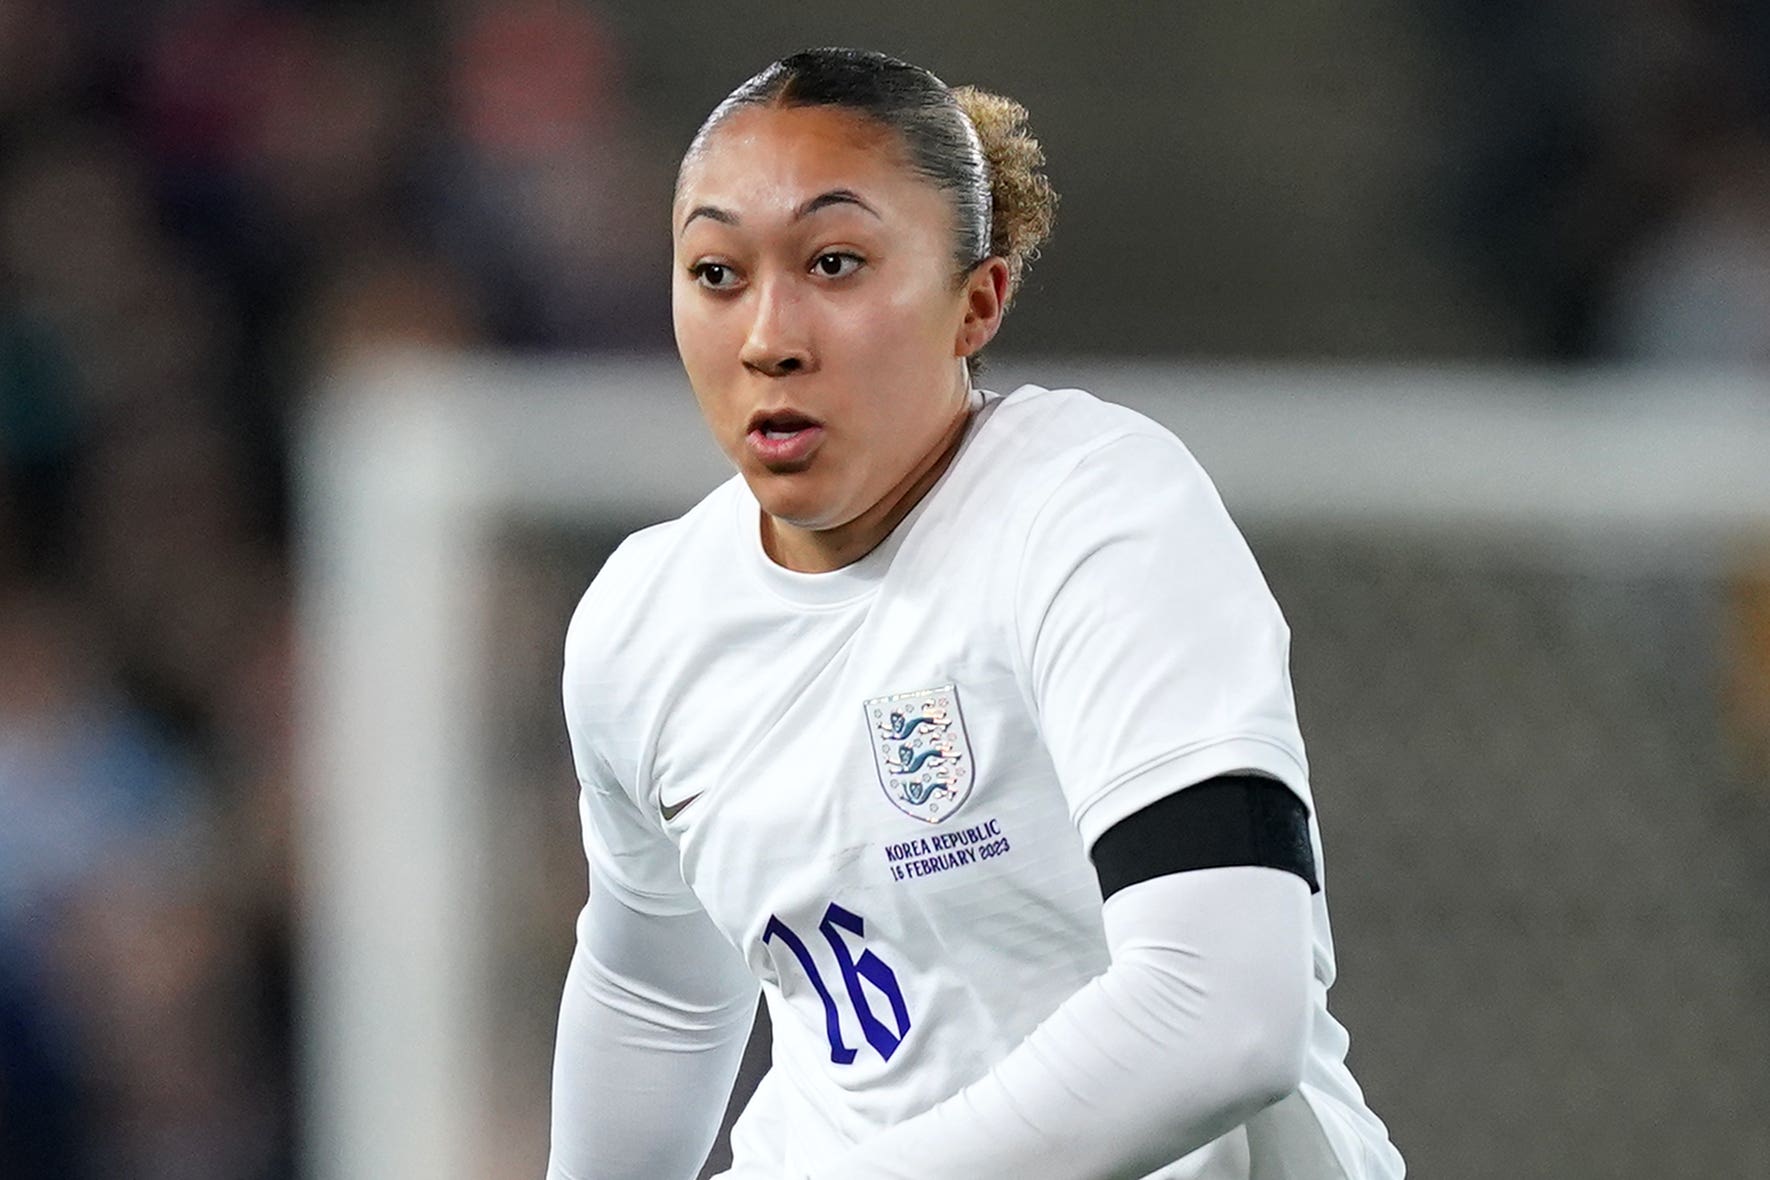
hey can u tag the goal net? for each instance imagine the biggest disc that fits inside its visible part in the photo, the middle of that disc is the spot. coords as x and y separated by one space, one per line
1531 647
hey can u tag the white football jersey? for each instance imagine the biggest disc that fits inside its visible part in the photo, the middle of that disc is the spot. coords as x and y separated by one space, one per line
881 783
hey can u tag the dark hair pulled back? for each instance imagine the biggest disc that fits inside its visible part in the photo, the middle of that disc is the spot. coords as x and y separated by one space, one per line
972 145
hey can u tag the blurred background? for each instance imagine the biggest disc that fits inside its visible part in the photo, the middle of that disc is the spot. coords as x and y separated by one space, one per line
1546 790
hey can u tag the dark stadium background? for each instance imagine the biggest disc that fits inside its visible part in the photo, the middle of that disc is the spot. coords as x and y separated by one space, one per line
1555 956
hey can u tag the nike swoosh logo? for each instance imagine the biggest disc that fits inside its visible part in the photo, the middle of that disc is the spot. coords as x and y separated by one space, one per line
671 810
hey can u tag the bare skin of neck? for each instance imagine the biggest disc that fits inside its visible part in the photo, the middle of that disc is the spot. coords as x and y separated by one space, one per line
819 551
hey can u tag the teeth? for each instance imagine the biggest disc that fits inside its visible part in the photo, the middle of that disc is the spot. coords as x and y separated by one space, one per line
771 432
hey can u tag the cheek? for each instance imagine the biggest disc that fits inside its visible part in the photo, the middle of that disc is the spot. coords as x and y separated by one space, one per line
689 324
898 365
701 346
905 331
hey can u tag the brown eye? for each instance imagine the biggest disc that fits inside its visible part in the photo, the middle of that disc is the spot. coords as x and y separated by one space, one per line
715 276
836 265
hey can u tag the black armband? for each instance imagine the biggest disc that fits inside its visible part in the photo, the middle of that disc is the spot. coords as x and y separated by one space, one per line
1234 819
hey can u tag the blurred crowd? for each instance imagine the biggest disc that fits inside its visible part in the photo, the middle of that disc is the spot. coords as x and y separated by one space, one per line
1610 173
207 204
203 206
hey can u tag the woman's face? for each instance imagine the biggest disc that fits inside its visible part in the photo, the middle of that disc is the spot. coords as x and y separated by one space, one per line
816 309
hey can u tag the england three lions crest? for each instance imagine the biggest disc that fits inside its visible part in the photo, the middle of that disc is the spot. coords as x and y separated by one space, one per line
920 749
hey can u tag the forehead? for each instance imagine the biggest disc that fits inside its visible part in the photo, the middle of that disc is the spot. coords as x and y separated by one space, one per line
762 159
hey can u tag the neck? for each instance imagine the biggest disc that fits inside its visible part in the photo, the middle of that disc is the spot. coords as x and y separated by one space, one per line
819 551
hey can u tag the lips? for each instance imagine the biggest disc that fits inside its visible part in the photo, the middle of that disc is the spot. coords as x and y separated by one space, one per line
783 438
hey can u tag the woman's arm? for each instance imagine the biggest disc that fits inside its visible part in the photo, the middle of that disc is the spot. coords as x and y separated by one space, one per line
1199 1022
1157 663
652 1026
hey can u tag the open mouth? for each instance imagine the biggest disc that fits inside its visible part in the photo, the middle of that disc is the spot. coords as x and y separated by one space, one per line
779 424
784 439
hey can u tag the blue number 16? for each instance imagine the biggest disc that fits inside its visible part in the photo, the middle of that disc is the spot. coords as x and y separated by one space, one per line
868 966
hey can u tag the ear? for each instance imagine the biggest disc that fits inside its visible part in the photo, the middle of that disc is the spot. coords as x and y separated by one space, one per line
986 299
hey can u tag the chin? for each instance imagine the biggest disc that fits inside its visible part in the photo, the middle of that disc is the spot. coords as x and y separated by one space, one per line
793 500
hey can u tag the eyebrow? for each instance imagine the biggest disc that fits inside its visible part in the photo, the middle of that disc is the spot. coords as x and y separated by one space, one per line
710 211
836 196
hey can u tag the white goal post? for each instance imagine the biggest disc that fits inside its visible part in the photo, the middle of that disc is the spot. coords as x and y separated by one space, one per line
409 468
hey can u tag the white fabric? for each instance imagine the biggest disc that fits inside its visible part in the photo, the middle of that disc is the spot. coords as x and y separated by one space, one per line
652 1026
1073 615
1201 1021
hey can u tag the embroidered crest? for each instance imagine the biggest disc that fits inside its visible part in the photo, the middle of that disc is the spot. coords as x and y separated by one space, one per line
920 749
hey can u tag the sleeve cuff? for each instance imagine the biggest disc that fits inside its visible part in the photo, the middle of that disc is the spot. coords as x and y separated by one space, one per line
656 905
1161 777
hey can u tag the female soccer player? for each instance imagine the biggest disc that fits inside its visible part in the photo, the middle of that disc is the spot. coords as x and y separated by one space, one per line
960 724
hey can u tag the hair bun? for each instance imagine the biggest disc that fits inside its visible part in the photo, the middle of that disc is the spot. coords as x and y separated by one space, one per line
1023 205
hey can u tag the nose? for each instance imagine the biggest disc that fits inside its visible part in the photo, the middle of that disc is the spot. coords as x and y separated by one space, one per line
779 341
